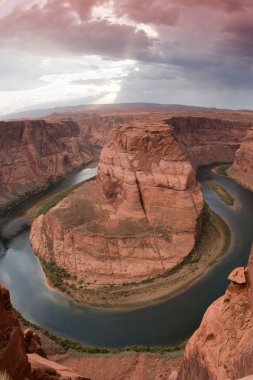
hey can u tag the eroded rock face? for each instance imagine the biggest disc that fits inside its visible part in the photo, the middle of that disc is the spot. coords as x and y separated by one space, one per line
242 168
35 153
13 358
244 155
139 220
222 347
14 346
209 140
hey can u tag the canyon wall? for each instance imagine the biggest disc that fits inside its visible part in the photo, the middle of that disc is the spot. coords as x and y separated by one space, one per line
94 126
222 347
140 219
14 360
209 140
242 168
36 153
95 129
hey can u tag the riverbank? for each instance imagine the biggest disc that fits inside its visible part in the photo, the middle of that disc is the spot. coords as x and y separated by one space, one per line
212 245
242 179
4 209
20 215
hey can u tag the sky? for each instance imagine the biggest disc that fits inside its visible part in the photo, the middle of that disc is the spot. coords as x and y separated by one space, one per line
70 52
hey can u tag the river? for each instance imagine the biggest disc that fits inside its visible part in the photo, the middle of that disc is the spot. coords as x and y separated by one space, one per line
166 323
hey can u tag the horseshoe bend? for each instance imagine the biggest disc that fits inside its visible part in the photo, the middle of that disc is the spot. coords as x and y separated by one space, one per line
116 237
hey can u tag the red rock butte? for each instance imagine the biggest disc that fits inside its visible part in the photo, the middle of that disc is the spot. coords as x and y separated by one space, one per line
139 219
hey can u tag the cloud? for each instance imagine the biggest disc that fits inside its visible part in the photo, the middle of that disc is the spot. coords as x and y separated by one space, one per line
148 11
238 36
61 26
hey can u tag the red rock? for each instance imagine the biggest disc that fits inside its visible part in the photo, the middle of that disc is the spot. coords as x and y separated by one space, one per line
13 358
33 343
242 168
139 220
208 140
238 276
222 346
43 369
35 153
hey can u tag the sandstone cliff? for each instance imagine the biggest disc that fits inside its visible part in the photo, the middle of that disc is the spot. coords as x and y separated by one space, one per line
242 168
95 129
208 140
13 357
36 153
221 349
139 220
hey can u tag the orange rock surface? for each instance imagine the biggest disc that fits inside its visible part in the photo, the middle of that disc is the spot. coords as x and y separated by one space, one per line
222 346
242 168
35 153
14 360
209 140
139 220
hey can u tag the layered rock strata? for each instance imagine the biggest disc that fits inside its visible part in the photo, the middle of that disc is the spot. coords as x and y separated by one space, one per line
208 140
14 360
139 220
242 168
222 346
36 153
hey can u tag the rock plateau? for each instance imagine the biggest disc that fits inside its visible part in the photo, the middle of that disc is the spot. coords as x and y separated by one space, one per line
139 220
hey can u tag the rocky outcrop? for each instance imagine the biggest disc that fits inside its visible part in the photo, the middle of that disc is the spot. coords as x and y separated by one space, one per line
222 347
14 346
139 220
208 140
13 358
43 369
242 168
35 153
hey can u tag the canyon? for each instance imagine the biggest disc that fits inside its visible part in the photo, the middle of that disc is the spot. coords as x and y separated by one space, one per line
139 220
36 153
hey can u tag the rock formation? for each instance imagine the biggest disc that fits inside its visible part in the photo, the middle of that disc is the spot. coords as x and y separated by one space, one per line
209 140
222 347
14 360
95 129
242 168
36 153
139 220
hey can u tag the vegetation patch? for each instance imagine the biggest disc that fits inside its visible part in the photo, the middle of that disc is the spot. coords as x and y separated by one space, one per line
69 344
58 277
222 169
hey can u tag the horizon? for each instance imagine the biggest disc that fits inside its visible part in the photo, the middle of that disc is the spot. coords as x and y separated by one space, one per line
71 53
